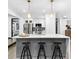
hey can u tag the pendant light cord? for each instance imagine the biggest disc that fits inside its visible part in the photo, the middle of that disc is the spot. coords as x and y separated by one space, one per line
51 5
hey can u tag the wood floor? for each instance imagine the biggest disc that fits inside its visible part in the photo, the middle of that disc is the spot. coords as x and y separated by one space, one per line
12 52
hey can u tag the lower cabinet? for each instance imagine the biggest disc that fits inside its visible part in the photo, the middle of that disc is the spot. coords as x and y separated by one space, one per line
43 48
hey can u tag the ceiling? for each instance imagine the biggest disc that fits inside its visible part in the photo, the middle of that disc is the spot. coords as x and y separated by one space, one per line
39 8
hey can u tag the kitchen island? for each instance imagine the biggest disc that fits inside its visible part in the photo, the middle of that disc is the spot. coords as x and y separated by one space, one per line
49 38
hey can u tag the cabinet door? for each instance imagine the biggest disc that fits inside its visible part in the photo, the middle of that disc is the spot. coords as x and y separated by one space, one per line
63 23
50 24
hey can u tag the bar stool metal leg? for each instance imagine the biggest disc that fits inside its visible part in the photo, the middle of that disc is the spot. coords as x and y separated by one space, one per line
22 54
29 53
26 50
57 51
41 49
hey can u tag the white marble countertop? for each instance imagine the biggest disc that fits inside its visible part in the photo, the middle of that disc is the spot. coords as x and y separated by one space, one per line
42 36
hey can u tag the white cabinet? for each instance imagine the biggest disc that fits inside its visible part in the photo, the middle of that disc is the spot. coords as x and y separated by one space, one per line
50 24
62 28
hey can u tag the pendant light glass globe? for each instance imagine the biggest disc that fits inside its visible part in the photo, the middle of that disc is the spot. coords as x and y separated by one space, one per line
51 15
29 15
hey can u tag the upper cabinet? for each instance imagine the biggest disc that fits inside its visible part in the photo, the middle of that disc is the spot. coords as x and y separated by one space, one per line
50 24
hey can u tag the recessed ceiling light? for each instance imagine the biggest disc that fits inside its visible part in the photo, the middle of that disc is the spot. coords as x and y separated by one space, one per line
65 16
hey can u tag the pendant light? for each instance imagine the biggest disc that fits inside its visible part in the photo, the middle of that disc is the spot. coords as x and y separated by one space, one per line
28 15
51 15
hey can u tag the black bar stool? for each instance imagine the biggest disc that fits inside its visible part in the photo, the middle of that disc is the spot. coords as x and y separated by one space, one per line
57 51
41 52
26 51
